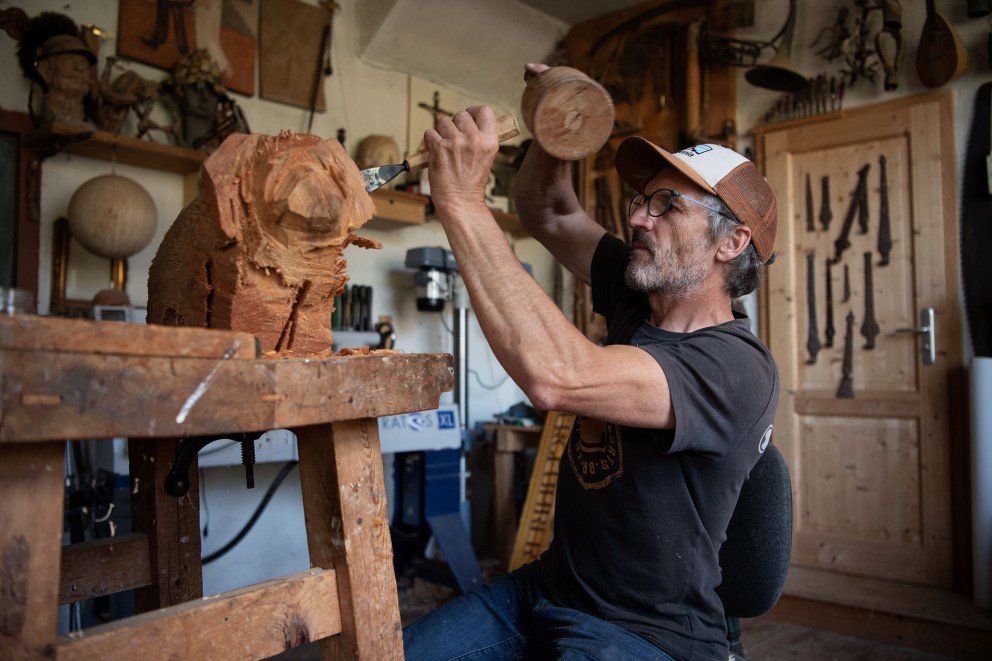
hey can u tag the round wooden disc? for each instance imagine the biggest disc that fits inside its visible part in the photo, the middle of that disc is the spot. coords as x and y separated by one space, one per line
570 114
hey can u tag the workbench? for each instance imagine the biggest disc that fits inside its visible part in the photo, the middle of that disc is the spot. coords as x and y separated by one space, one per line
66 379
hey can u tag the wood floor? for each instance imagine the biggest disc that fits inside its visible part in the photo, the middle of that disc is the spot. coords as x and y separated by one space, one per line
772 640
764 640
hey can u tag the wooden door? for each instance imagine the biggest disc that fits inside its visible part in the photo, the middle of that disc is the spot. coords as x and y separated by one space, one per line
871 472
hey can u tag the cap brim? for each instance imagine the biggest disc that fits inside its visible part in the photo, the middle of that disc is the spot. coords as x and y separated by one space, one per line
638 161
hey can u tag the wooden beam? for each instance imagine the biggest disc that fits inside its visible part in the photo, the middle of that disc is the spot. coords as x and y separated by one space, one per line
248 623
32 493
52 334
171 525
104 566
344 503
48 395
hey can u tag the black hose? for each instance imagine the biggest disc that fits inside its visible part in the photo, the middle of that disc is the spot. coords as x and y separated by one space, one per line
254 517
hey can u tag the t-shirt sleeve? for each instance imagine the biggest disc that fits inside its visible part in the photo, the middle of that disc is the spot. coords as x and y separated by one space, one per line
723 387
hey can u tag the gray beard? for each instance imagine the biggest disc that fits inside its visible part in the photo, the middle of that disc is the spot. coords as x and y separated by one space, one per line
663 274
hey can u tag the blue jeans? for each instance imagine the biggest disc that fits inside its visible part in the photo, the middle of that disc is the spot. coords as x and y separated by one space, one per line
513 619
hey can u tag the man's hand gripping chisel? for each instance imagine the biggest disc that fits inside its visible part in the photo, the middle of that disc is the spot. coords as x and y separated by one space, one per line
382 174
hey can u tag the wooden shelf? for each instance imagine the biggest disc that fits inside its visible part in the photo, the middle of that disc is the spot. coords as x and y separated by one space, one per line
84 141
395 209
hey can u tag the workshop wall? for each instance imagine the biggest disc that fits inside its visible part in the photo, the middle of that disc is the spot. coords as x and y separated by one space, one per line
812 18
363 100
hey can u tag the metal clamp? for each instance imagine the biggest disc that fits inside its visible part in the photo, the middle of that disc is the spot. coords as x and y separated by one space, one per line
927 332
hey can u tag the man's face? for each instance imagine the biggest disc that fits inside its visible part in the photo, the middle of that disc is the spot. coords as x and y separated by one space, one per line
672 253
67 72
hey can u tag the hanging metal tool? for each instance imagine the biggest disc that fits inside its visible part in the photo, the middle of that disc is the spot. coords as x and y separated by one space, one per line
869 328
810 223
863 207
825 214
828 332
843 241
847 285
884 229
323 66
813 337
846 389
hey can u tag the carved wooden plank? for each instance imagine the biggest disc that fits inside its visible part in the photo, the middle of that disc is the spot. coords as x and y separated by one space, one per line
537 519
172 526
31 491
51 395
254 622
104 566
344 502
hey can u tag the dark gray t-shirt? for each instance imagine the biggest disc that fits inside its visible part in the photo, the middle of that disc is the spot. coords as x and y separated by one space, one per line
641 513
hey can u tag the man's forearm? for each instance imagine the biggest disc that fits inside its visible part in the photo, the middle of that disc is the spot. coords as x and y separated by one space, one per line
527 332
544 191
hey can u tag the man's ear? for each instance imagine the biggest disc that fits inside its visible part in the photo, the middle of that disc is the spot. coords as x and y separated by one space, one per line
734 244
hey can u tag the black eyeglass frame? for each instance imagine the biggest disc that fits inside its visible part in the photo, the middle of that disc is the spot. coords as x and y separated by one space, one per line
641 199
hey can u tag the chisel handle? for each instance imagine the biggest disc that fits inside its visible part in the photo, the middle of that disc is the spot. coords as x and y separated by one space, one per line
505 125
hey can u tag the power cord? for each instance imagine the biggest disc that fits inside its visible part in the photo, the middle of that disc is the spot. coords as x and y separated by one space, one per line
283 472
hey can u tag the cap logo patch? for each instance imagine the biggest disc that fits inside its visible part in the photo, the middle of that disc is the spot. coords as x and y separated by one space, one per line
698 149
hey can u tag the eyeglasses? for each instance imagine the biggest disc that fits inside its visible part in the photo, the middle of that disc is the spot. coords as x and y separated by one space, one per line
660 201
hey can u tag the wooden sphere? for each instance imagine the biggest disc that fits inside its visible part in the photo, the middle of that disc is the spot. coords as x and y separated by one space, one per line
569 113
112 216
377 150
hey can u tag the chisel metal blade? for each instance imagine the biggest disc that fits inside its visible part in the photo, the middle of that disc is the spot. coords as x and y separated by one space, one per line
381 175
506 128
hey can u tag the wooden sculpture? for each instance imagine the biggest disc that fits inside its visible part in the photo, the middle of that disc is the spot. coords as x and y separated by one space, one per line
260 249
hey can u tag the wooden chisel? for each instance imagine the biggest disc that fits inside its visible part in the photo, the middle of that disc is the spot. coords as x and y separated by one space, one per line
383 174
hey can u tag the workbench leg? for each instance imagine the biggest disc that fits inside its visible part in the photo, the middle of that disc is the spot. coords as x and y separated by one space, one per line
32 492
347 519
172 525
504 504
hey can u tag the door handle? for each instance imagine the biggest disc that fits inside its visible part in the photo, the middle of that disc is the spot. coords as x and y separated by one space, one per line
926 331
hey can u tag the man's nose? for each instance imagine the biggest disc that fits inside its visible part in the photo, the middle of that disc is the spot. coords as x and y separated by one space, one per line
640 218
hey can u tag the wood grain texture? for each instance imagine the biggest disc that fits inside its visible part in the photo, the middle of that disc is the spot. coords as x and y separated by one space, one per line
31 490
171 525
255 622
874 495
536 528
569 113
103 566
344 502
260 249
56 395
31 333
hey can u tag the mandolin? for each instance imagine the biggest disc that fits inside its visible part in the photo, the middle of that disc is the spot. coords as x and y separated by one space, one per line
941 56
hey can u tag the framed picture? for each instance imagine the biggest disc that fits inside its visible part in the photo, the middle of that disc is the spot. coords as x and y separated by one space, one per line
160 32
291 63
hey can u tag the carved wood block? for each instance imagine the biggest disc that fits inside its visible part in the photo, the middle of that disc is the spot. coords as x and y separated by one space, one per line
260 250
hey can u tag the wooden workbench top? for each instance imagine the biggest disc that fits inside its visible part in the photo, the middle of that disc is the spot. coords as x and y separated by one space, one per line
77 379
